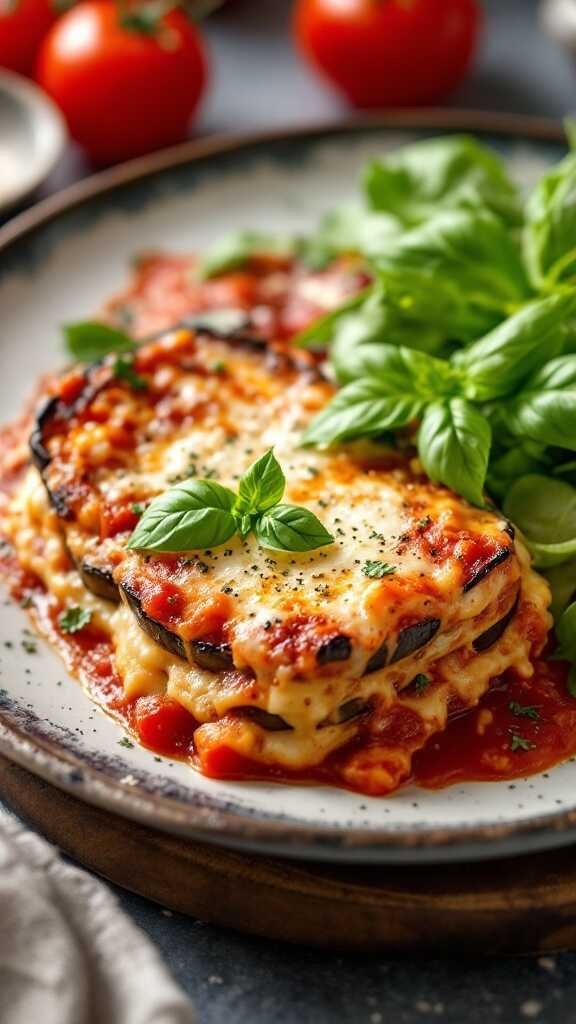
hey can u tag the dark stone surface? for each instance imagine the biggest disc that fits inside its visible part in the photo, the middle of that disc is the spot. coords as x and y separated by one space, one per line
237 980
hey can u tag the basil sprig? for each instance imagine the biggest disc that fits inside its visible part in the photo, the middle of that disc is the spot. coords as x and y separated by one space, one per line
505 384
89 340
199 514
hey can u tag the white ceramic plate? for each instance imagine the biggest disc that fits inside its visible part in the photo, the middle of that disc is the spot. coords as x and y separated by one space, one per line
57 264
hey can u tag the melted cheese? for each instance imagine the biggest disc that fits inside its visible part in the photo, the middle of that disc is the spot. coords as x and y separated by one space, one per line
278 609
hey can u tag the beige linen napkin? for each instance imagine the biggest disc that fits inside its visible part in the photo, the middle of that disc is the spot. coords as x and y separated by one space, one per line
68 954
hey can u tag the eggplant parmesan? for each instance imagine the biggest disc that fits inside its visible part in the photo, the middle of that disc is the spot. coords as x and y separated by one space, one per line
348 657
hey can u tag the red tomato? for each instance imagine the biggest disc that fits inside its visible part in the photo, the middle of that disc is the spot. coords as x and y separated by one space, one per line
124 88
23 25
116 519
164 601
386 53
164 725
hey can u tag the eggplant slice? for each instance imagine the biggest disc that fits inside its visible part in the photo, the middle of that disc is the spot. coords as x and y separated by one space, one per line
414 637
233 327
486 569
207 655
492 635
99 581
338 648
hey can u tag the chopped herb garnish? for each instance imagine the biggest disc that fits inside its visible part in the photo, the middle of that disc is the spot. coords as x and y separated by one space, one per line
377 570
524 710
29 645
74 619
125 742
138 508
520 743
420 682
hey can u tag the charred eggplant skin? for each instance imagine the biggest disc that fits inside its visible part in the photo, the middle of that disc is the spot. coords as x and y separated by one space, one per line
170 641
485 570
210 656
493 634
271 723
98 581
413 637
378 660
40 454
353 708
338 648
214 657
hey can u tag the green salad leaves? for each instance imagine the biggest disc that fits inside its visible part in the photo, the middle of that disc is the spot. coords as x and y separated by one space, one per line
465 341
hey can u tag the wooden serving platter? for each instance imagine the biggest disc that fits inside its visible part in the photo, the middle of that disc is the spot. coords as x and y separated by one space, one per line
519 905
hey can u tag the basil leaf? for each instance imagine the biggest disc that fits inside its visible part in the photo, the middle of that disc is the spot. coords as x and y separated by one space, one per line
438 300
365 408
566 635
124 369
262 485
291 528
454 443
90 340
467 250
562 580
504 470
401 371
451 172
353 358
550 234
236 249
321 331
545 411
196 514
359 335
523 343
544 508
350 228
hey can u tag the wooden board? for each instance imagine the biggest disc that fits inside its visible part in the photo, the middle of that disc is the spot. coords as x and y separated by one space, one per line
519 905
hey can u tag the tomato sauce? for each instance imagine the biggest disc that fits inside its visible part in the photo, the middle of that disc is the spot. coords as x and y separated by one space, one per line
281 295
520 727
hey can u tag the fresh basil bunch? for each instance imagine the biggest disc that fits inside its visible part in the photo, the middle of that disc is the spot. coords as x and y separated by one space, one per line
466 340
200 514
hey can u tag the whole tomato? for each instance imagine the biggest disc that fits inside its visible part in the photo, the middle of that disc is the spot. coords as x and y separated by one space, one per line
127 81
386 53
23 25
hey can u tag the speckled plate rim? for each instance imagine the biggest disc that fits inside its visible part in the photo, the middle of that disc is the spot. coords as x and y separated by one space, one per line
205 817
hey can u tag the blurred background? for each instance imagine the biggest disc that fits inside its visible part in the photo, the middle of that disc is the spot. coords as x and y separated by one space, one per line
131 77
